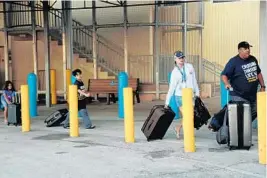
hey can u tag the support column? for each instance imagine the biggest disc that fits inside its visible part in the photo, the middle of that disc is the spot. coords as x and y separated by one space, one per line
263 39
201 20
64 48
34 42
151 43
156 48
69 37
126 65
262 117
185 29
47 53
94 40
6 57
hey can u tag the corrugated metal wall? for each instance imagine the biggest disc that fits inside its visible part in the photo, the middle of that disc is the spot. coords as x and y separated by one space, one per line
171 36
226 24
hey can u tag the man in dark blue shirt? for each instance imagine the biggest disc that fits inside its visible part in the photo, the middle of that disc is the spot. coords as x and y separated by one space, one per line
243 74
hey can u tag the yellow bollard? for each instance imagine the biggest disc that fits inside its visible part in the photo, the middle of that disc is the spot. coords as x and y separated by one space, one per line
188 120
53 86
25 108
73 111
68 82
261 110
128 115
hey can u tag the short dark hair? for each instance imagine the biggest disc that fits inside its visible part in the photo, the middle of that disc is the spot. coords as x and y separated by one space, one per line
76 72
6 85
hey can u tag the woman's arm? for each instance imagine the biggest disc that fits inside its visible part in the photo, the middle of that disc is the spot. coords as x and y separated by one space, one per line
172 86
8 102
84 92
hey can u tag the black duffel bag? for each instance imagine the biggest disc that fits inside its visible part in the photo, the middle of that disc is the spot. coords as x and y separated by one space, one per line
201 114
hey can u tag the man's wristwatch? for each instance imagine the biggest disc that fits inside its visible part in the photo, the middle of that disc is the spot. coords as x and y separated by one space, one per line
263 86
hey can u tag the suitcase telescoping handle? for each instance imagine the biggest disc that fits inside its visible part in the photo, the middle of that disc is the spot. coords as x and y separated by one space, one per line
227 95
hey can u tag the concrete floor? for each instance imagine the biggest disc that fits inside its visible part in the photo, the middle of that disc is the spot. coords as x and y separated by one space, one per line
102 153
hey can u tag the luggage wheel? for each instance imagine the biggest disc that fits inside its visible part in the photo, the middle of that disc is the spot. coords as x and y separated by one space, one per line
248 148
230 148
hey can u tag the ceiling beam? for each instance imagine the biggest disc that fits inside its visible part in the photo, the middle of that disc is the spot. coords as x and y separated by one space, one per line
112 3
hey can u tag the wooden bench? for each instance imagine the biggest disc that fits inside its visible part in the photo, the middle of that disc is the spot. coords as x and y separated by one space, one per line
110 87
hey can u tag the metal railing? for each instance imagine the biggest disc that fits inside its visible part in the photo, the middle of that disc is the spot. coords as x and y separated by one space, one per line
17 18
109 55
213 69
141 66
110 58
166 64
206 71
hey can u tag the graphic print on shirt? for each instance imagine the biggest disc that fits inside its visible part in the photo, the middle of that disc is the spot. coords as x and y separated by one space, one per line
250 71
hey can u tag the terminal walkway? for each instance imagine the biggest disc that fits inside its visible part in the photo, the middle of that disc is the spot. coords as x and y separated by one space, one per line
102 153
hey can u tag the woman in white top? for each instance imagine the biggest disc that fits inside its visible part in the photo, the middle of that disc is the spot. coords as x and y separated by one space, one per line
183 76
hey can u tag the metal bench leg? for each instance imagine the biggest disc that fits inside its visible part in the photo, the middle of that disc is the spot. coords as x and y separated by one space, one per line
108 99
113 98
137 96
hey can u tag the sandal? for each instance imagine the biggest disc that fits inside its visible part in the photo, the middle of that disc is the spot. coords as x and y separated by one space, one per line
177 133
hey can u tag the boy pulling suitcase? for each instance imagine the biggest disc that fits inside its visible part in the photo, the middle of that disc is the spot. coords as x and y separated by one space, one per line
82 94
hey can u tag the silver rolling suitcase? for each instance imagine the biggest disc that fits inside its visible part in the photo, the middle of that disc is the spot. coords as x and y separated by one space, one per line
240 126
14 111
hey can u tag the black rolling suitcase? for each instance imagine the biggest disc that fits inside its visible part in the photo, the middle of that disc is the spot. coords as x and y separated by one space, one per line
158 122
56 118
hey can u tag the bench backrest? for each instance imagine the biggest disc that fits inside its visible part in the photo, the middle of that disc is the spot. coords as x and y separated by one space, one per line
110 85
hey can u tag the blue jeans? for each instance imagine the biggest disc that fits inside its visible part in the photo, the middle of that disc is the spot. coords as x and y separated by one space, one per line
86 120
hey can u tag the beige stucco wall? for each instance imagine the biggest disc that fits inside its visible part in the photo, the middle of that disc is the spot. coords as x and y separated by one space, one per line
22 62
